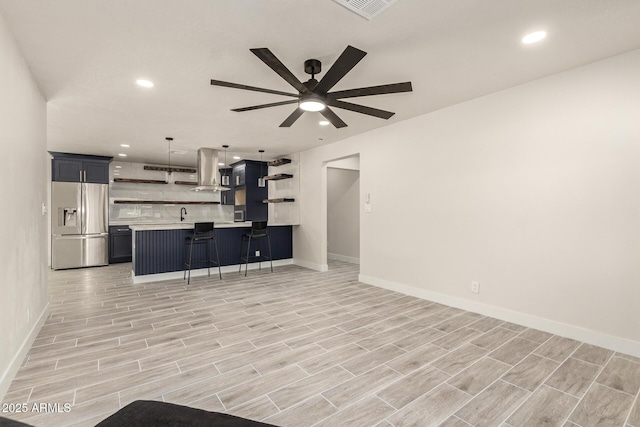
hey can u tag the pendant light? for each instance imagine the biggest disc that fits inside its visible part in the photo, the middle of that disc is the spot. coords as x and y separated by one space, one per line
261 180
224 177
169 171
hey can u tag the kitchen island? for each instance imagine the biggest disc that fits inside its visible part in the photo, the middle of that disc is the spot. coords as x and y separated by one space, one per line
159 250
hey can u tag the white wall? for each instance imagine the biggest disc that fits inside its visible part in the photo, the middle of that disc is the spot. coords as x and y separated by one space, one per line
533 191
343 214
351 163
23 229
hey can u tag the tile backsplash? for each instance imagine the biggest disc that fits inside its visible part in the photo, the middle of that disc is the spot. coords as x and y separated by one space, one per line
132 213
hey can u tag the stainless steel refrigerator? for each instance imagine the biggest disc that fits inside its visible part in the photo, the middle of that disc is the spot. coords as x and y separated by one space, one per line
79 224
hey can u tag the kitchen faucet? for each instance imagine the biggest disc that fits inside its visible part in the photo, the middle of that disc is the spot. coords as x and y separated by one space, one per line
185 212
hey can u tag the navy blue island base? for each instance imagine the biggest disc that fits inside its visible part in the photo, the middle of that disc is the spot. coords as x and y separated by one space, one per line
164 251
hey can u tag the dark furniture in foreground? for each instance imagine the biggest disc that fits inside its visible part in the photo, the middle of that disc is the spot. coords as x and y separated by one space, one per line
149 413
6 422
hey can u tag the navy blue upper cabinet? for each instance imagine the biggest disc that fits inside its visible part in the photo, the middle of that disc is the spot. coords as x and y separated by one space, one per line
245 179
226 197
66 170
238 175
80 168
96 172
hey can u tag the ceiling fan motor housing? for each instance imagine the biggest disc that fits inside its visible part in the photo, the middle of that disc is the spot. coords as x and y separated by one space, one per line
312 66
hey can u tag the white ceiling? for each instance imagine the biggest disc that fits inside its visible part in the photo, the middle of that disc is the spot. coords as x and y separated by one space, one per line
85 55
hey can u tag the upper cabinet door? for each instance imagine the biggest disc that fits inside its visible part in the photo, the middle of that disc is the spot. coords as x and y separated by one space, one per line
95 172
238 175
67 170
71 170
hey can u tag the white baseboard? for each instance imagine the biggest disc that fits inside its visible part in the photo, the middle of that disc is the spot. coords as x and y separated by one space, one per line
9 374
344 258
588 336
311 266
146 278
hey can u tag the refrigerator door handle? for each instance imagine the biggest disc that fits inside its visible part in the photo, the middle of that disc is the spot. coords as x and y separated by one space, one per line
83 209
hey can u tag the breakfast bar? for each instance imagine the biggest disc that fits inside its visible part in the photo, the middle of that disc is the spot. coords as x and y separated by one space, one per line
159 250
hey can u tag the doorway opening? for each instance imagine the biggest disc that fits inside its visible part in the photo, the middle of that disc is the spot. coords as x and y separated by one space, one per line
343 211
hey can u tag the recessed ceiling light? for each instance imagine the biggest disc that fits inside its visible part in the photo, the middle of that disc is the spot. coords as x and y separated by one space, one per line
124 145
220 164
323 123
116 173
144 83
122 155
118 167
236 157
534 37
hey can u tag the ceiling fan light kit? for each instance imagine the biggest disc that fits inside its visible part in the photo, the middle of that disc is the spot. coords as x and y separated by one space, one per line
311 102
314 95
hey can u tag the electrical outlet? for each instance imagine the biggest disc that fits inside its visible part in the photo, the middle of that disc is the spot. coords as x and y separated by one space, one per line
475 287
257 253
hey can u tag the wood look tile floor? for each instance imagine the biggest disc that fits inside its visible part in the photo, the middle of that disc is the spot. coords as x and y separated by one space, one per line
301 348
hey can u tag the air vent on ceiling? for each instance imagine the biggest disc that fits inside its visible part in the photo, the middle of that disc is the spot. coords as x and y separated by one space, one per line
366 8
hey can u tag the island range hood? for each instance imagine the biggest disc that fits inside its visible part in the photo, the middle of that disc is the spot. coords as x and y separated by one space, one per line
208 171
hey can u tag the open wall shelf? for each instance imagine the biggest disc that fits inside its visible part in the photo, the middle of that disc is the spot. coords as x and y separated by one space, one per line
139 181
162 202
280 200
152 181
168 169
278 177
279 162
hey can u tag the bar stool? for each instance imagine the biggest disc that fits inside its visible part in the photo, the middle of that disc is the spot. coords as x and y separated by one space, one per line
258 231
202 233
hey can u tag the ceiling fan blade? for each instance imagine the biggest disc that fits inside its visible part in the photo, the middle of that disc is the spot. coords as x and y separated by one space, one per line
345 62
292 118
360 109
333 118
245 87
274 63
372 90
257 107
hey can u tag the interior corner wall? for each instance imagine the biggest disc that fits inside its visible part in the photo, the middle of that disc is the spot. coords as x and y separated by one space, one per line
343 214
533 191
23 229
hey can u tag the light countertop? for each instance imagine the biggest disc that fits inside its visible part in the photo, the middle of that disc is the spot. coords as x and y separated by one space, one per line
188 225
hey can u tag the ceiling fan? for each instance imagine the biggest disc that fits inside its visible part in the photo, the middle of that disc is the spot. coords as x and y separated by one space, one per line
314 95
